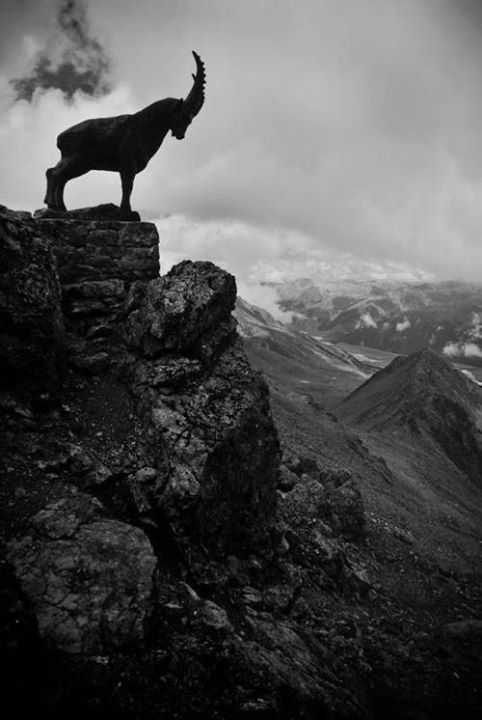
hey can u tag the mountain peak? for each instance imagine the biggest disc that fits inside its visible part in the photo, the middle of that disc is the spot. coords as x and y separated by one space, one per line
404 391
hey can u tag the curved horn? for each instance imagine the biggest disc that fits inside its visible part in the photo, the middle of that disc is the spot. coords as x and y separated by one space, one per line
194 101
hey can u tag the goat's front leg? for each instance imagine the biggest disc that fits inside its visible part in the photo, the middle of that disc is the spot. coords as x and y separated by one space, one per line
127 181
59 194
50 193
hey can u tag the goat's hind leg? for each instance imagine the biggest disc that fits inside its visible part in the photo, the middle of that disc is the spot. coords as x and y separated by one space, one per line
59 193
55 186
49 199
57 178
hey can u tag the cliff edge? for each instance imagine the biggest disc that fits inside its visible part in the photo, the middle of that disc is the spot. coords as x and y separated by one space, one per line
161 557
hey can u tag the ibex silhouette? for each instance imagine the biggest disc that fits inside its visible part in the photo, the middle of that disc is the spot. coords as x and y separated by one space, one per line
122 144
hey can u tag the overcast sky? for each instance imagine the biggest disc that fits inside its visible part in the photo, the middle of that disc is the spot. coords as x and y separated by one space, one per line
342 134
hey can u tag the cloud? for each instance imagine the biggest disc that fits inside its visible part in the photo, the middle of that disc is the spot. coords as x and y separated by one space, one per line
366 320
72 60
264 297
403 325
244 248
467 349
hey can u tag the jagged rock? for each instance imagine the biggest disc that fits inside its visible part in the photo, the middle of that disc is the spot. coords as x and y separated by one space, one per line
208 614
146 475
106 211
10 406
89 578
317 546
358 580
93 364
287 479
336 498
343 506
31 324
282 659
251 596
215 450
278 598
85 470
187 312
207 427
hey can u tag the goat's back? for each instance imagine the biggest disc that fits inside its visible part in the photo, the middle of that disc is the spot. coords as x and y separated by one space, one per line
88 134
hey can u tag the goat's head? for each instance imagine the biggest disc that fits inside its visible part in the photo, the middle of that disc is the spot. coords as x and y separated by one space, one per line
180 121
186 110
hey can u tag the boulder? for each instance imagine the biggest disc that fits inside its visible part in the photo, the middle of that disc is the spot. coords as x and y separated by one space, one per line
88 577
187 312
343 506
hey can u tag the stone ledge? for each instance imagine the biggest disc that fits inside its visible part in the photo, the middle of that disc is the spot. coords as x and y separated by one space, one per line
88 250
99 213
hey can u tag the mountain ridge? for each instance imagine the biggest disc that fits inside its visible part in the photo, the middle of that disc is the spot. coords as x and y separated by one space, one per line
424 396
401 317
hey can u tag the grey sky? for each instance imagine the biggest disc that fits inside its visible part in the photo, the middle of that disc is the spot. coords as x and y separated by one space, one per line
331 128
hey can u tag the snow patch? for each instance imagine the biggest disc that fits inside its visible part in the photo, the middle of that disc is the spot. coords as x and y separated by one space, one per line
471 376
476 323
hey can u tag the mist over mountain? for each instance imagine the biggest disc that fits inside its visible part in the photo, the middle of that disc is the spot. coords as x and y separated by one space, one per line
399 317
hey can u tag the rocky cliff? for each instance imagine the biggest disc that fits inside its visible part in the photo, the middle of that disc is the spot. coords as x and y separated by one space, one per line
160 557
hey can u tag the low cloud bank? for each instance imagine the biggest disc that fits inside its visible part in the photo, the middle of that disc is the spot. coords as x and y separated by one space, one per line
462 349
366 320
403 325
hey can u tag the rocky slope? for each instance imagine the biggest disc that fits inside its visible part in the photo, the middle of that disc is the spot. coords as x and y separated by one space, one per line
424 396
282 353
163 556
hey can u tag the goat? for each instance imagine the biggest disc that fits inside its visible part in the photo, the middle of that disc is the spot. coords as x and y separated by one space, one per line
122 144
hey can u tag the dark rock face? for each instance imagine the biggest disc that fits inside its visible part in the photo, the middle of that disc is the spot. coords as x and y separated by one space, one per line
31 322
160 563
87 250
206 423
88 577
97 264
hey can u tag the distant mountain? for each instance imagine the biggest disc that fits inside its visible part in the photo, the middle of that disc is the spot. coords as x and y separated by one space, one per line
395 316
422 398
298 359
408 435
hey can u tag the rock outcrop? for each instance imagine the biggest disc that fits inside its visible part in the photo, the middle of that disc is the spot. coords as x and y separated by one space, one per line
31 321
160 562
206 426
